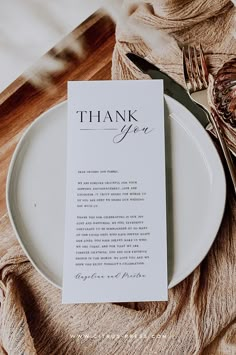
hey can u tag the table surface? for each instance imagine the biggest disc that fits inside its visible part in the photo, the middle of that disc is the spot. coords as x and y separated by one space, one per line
30 28
22 103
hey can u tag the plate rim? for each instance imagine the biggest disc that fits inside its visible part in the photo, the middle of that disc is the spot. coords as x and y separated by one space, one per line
222 203
10 174
8 186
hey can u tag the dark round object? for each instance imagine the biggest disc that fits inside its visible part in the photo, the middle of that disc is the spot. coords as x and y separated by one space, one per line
224 92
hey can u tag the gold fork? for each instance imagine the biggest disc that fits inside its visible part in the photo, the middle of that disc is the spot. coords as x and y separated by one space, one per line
197 82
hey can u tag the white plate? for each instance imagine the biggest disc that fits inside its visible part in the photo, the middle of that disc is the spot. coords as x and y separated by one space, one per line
196 192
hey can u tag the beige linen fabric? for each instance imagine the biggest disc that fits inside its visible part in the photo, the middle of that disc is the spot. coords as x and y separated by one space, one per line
199 316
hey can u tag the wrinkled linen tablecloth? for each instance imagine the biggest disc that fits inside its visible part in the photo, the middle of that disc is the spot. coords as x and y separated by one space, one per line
199 316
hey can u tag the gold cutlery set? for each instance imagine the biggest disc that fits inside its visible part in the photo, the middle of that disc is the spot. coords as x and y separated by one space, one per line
216 96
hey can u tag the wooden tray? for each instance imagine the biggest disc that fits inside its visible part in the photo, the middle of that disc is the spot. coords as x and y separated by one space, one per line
21 102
